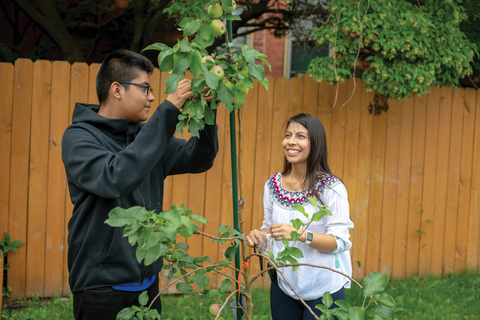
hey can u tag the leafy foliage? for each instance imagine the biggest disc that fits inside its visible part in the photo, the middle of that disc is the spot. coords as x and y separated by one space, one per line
7 245
240 69
400 47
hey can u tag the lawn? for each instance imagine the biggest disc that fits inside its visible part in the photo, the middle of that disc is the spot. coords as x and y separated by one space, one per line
453 297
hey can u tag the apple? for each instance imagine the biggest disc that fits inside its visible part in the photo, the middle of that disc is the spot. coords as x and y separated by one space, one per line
217 27
218 71
242 88
215 11
227 84
214 308
243 70
229 9
205 58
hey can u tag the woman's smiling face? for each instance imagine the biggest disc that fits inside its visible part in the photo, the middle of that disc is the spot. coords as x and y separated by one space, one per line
296 144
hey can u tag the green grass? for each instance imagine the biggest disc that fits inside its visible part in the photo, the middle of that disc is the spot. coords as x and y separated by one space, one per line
453 297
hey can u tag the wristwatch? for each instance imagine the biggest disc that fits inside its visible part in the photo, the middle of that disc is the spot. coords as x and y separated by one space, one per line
308 237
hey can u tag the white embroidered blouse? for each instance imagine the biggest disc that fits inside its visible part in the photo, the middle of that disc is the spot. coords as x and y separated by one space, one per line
309 282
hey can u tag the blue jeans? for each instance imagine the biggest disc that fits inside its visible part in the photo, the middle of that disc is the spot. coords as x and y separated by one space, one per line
284 307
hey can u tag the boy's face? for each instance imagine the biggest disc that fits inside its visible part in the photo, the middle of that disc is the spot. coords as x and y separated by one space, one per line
135 103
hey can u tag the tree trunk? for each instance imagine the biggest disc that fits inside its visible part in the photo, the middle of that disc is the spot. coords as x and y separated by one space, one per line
49 21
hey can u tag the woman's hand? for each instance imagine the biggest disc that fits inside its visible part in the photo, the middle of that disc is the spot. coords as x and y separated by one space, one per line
282 230
255 237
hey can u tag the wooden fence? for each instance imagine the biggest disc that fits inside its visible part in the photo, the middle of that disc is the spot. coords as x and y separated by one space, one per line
412 173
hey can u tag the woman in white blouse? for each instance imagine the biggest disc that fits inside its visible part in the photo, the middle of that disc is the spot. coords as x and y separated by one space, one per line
325 243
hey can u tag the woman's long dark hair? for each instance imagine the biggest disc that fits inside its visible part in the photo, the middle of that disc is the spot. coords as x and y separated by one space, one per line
317 161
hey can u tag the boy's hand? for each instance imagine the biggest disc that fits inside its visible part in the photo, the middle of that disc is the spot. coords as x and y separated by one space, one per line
181 94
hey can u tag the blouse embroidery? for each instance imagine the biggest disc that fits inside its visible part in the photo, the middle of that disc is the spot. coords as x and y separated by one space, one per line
288 199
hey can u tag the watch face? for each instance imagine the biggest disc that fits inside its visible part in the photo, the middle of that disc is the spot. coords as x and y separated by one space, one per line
309 236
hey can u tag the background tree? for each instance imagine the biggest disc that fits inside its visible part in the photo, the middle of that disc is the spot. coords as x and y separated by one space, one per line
87 30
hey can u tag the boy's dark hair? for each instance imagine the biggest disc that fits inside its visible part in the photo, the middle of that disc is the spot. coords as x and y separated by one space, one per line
121 65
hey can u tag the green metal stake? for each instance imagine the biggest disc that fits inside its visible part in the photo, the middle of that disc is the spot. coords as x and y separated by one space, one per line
233 146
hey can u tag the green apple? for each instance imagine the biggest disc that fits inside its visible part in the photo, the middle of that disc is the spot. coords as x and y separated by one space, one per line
217 27
215 11
243 70
229 9
218 71
227 84
205 58
242 88
214 308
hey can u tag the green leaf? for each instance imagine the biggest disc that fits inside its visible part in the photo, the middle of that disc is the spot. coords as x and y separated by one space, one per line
118 217
180 125
157 46
194 126
374 283
189 26
229 16
15 243
313 201
172 82
240 98
181 61
319 214
356 313
344 305
226 283
201 280
202 259
321 307
301 209
210 120
126 314
285 241
152 254
294 235
7 238
250 54
6 266
385 312
181 245
384 299
340 314
297 253
226 97
165 60
230 252
196 63
224 227
143 298
297 223
228 3
204 36
210 78
210 293
327 299
184 287
196 218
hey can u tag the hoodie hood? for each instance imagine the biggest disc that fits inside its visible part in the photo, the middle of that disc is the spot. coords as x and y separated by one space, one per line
115 128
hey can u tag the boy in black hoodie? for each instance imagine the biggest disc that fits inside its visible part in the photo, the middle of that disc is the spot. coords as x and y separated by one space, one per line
113 159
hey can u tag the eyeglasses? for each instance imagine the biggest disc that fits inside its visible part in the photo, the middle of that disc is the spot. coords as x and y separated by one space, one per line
147 87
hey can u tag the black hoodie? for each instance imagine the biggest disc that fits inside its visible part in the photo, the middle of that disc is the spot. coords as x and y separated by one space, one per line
110 163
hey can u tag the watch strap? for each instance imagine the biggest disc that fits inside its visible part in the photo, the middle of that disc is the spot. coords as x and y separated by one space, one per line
308 237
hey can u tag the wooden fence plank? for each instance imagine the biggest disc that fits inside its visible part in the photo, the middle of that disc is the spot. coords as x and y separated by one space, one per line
92 76
248 129
6 110
213 190
390 186
473 257
37 193
451 214
403 177
363 181
295 96
279 121
22 108
353 110
337 133
416 185
465 180
428 199
376 192
441 176
326 96
261 165
310 96
60 117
